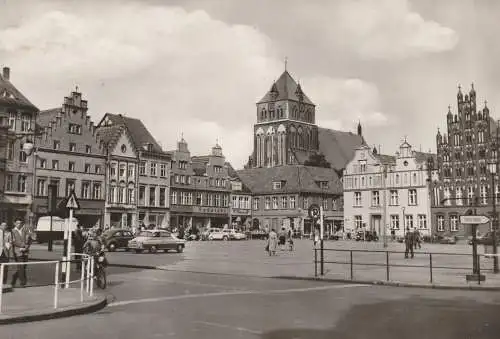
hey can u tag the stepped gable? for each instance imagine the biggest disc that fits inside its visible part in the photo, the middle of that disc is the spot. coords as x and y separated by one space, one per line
338 147
296 178
10 95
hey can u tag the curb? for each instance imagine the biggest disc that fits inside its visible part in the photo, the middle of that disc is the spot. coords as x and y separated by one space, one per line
7 288
395 284
70 311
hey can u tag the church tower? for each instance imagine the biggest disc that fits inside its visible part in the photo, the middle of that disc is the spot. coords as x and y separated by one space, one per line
286 132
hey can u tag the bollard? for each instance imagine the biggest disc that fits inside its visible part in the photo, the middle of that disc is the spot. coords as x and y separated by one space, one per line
1 289
387 265
430 265
56 286
315 262
352 268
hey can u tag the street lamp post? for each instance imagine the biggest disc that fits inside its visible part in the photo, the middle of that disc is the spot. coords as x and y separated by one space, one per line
404 226
384 230
493 171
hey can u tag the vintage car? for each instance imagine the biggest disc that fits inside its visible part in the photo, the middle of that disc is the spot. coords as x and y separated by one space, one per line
226 234
156 240
114 239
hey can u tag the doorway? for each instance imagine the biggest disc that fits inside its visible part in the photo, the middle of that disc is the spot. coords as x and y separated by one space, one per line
376 223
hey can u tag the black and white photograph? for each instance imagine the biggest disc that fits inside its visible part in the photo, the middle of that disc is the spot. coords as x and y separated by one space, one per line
274 169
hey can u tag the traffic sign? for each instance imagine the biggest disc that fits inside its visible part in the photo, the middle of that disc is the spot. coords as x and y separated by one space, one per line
314 211
73 203
474 219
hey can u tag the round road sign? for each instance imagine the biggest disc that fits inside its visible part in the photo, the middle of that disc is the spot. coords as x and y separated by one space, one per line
314 211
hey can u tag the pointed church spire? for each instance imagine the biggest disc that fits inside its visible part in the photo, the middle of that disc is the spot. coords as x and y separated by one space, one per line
360 130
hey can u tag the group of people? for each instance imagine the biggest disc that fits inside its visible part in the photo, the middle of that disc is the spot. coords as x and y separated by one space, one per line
15 243
413 239
275 240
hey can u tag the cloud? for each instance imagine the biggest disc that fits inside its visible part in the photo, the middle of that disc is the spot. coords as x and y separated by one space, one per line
342 102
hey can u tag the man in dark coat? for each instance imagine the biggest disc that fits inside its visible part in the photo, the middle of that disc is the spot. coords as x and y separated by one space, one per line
78 242
409 243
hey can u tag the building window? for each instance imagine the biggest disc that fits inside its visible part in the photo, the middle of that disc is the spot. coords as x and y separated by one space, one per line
394 198
122 194
130 195
112 193
305 203
284 202
96 191
323 184
122 170
130 171
325 204
41 188
97 169
88 149
447 195
57 144
86 190
25 123
292 203
470 194
453 223
422 221
484 194
217 200
152 169
225 200
440 223
10 150
9 182
56 184
256 204
357 199
458 196
21 183
87 168
163 196
199 198
275 203
22 155
182 164
142 195
375 198
163 170
112 170
267 205
142 168
358 221
409 221
12 121
70 186
72 147
55 164
71 166
395 222
75 129
42 163
412 197
173 198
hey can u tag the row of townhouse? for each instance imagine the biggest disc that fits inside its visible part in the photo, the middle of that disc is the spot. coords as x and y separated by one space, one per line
116 168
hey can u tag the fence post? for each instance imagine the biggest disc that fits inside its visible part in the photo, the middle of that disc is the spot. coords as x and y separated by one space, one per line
352 269
478 270
82 280
315 262
430 265
387 265
91 276
1 289
56 285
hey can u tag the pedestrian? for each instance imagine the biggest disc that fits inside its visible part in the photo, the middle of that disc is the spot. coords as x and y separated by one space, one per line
282 238
78 242
21 241
272 242
409 243
418 239
5 248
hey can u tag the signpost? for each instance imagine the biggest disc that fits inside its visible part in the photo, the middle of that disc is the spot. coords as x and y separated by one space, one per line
474 219
316 212
72 204
471 218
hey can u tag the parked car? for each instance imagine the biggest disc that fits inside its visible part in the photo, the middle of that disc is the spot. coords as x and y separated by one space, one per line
156 240
447 240
205 235
235 235
114 239
226 234
486 239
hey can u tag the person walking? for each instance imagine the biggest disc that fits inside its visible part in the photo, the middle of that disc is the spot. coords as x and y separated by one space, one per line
78 242
272 242
21 241
5 248
418 239
409 243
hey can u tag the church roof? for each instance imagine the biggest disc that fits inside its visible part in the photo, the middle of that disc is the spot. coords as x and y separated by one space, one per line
286 89
296 178
338 146
11 96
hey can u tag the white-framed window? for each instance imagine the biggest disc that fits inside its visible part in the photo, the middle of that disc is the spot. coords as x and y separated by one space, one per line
130 171
483 193
305 203
409 221
9 183
276 185
375 198
55 164
98 169
440 223
131 195
152 169
256 204
10 150
497 194
292 203
199 199
235 201
275 203
122 170
470 195
447 196
395 222
41 187
453 223
12 121
71 166
25 123
284 202
422 221
163 170
267 205
357 199
86 168
412 196
88 149
72 147
96 191
86 190
459 196
325 204
173 198
225 200
142 168
152 196
112 170
394 198
358 221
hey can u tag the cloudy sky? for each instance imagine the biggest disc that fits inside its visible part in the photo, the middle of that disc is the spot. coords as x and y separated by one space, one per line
197 67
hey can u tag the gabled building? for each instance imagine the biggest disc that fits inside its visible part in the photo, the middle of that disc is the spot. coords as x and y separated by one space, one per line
70 156
200 189
387 191
241 202
463 154
138 174
16 168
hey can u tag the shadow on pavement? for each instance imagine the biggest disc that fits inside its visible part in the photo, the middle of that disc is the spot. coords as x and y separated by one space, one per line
412 318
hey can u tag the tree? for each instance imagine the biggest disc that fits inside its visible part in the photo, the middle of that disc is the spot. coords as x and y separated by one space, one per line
317 160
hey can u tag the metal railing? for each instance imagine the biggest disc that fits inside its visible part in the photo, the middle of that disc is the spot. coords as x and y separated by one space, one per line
86 276
389 261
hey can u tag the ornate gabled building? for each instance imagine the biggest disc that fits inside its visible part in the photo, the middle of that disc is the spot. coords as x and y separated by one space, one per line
70 156
16 171
463 154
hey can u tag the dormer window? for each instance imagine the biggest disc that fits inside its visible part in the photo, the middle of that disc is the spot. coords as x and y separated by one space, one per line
323 184
277 185
148 147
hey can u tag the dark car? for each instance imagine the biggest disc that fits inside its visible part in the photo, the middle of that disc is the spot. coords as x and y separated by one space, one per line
487 239
116 238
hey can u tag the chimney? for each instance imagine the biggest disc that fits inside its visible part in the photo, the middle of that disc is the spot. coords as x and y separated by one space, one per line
6 73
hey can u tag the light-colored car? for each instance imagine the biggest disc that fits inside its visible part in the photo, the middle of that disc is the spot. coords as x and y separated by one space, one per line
206 234
226 234
156 240
235 235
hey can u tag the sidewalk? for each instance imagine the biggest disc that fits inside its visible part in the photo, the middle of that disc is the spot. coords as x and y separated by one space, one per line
37 303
